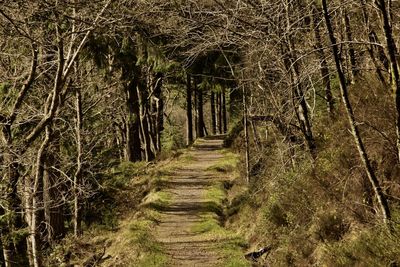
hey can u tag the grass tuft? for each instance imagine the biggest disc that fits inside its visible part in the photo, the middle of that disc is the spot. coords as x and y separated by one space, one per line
226 164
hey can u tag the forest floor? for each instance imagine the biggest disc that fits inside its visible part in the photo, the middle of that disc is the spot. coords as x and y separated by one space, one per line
180 222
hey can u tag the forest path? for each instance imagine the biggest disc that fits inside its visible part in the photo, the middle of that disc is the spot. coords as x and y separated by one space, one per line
189 206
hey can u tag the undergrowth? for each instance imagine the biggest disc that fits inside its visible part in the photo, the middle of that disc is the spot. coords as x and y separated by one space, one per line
322 212
124 217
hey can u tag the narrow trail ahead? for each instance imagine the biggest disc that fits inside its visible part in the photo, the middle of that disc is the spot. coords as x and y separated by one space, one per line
188 208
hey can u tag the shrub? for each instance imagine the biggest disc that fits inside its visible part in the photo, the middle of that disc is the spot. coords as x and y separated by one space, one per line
276 214
329 226
370 247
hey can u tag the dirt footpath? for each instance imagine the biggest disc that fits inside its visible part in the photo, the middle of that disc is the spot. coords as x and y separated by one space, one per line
188 207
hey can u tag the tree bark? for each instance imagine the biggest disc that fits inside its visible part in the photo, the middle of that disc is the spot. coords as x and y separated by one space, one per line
189 117
28 192
298 99
213 117
352 54
291 62
324 70
12 211
200 119
256 137
12 204
53 201
219 112
224 119
371 47
382 202
79 156
394 67
38 201
159 109
16 151
246 135
132 147
196 110
144 123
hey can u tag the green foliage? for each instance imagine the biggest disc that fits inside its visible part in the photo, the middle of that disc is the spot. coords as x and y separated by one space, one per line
6 218
122 174
96 48
100 211
172 137
101 208
237 203
7 95
20 235
234 132
4 90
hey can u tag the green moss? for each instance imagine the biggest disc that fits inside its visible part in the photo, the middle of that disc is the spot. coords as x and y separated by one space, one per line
209 225
186 158
228 244
151 251
228 163
152 260
234 257
158 200
216 193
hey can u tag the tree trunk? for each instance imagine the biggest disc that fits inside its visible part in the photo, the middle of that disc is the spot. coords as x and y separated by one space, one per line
189 117
213 118
159 110
35 226
235 106
53 201
352 54
256 137
246 136
28 193
217 108
153 87
394 67
200 119
224 119
219 112
12 211
196 110
299 100
291 62
324 70
371 47
12 202
144 123
78 172
382 202
132 146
